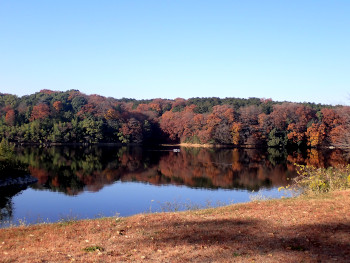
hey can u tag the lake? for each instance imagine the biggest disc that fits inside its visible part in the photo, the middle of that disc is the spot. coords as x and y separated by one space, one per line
94 181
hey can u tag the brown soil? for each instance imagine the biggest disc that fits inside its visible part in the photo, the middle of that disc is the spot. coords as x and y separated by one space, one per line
287 230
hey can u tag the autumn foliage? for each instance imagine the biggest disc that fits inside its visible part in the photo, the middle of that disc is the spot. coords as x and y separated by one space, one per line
40 112
72 116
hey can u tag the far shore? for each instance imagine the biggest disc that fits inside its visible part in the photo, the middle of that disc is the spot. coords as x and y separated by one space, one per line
188 145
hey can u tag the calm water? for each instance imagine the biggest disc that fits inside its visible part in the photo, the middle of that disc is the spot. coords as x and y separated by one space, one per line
88 182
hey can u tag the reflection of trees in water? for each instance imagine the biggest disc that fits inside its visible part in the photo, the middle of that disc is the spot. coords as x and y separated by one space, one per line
70 169
319 158
245 169
6 210
10 167
5 207
74 169
277 155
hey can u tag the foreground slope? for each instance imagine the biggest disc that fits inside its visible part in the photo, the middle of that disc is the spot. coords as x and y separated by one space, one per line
287 230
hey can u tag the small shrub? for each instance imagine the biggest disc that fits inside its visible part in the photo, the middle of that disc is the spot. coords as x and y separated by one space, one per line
322 180
93 248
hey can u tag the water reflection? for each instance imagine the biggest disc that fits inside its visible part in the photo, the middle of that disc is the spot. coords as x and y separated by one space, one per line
9 168
6 205
73 170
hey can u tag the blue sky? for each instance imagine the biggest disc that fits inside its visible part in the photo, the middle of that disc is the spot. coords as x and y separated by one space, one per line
284 50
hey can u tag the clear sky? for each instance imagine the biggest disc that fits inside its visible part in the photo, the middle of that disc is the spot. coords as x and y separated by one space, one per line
284 50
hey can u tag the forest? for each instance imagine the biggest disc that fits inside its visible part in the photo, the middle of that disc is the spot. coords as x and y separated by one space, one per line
56 117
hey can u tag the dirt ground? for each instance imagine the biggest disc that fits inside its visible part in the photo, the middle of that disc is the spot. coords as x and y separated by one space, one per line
286 230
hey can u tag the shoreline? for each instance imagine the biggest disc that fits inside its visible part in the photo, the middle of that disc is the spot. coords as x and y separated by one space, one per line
196 145
281 230
188 145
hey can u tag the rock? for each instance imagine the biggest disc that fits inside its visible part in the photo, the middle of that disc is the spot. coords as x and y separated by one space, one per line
18 181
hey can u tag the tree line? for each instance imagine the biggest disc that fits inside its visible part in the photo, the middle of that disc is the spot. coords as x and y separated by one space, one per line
74 117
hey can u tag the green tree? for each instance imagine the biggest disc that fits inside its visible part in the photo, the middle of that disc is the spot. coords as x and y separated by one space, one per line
78 102
277 138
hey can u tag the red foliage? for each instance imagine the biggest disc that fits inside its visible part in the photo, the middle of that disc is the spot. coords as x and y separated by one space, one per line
184 125
179 102
40 112
219 123
337 134
250 115
236 129
340 135
330 118
47 91
10 117
41 174
112 114
74 93
132 128
143 107
221 113
295 133
87 109
147 112
172 125
264 100
316 134
265 123
58 105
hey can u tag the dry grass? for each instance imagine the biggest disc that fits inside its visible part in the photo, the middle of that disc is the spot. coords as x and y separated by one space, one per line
290 230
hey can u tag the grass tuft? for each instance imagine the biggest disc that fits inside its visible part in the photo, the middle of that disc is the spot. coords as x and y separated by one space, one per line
93 249
68 220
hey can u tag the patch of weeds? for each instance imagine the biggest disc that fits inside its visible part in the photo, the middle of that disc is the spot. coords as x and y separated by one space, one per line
150 207
117 217
317 181
236 254
207 211
93 249
68 219
41 220
99 216
192 206
176 206
171 206
289 191
258 197
22 222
